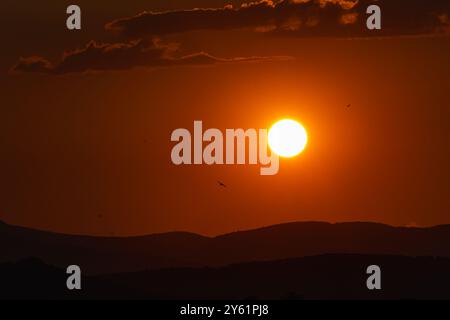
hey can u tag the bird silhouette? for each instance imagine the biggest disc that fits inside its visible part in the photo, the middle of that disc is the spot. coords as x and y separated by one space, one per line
349 105
223 185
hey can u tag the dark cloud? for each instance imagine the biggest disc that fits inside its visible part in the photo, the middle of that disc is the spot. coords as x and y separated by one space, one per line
120 56
303 18
325 18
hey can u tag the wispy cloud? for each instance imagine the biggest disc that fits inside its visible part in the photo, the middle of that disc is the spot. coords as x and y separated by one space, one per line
121 56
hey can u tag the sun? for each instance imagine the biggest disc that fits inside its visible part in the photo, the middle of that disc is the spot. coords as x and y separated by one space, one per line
287 138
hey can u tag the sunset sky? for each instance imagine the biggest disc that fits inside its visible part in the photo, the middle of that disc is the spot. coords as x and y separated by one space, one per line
86 116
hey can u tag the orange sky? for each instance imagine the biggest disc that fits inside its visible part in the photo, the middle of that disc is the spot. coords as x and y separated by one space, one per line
76 146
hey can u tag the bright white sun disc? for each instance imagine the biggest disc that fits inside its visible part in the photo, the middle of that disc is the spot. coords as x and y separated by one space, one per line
287 138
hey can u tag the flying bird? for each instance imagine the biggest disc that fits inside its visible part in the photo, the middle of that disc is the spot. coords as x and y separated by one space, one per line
221 184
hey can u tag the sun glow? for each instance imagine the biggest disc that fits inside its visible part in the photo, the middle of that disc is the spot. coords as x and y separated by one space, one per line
287 138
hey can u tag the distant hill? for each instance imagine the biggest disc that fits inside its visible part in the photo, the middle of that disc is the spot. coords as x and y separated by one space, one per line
316 277
181 249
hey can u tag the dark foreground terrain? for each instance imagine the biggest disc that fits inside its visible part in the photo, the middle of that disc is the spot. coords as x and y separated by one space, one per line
317 277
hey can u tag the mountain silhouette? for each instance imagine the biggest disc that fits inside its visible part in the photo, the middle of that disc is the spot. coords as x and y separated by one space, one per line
336 276
99 255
